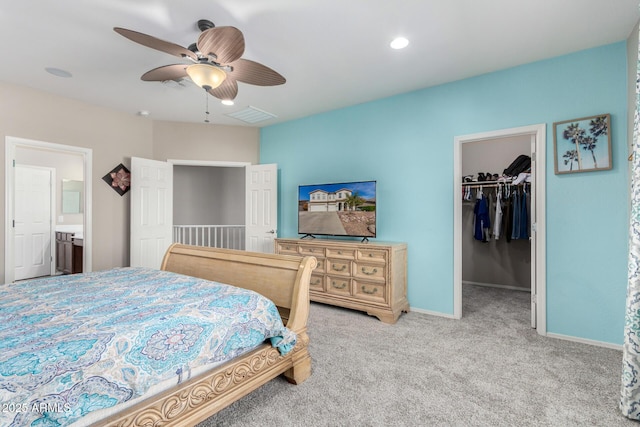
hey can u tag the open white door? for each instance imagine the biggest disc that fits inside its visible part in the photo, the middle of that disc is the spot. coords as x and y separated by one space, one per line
261 207
151 211
32 233
533 239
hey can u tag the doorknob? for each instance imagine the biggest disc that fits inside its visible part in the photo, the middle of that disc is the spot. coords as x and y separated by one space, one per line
271 231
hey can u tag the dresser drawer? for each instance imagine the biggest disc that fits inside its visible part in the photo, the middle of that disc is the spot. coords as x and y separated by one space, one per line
371 291
370 271
287 248
320 267
341 253
373 255
317 282
339 285
311 250
339 266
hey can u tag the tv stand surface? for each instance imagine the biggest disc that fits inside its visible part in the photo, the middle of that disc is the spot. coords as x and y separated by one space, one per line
365 276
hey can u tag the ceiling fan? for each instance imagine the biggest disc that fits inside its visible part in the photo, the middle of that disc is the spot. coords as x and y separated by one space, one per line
215 61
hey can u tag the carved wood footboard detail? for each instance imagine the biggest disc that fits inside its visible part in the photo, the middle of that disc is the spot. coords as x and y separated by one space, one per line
198 399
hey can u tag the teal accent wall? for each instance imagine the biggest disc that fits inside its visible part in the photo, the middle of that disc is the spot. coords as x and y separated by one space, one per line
406 142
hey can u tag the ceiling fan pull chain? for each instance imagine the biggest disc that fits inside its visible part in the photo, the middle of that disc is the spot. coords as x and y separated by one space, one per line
206 116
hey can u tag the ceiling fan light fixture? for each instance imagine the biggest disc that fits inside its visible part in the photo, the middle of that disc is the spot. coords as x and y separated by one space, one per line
206 76
227 102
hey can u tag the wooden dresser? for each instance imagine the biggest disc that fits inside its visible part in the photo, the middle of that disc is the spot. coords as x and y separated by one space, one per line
370 277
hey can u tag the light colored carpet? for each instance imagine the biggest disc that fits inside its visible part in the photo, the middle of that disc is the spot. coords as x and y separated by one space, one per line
488 369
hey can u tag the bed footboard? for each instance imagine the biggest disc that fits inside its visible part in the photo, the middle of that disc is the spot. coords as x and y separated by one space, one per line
284 280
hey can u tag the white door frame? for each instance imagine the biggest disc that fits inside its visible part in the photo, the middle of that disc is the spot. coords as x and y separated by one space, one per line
214 163
11 143
177 162
539 228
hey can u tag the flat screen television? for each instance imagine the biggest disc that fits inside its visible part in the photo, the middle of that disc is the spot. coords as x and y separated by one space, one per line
340 209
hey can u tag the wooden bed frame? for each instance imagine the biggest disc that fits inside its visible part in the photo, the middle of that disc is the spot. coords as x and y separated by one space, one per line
283 279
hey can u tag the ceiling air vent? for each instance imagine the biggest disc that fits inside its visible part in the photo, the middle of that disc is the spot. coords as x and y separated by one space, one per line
252 115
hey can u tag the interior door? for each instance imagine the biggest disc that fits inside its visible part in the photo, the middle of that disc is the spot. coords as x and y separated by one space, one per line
151 211
32 216
261 207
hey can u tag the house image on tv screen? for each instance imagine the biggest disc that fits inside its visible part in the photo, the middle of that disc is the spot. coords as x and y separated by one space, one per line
347 209
324 201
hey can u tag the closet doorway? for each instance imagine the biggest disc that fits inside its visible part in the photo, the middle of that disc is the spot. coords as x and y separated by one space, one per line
493 152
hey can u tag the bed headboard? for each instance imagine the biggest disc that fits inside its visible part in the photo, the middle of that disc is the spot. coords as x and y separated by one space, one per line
284 279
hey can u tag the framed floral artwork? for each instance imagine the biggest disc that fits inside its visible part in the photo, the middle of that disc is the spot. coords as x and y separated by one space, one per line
582 145
119 178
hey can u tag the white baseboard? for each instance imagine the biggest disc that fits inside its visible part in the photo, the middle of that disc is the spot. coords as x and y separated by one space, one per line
433 313
496 285
585 341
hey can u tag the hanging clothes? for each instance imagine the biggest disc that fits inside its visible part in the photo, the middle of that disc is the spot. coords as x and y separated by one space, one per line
524 217
515 220
508 214
482 222
497 222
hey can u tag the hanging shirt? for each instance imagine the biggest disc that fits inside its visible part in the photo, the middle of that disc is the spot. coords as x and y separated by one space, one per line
482 221
497 222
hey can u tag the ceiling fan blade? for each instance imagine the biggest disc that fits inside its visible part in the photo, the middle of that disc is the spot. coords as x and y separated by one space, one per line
227 90
226 43
254 73
165 73
155 43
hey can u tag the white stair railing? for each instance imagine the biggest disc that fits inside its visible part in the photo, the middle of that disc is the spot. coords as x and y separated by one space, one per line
215 236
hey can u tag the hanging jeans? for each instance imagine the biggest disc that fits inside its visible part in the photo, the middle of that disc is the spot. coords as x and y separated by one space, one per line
517 211
524 219
482 221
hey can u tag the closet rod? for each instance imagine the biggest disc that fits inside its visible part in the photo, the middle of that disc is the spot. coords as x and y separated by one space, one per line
491 184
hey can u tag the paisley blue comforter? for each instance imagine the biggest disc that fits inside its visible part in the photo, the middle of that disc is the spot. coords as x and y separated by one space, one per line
70 345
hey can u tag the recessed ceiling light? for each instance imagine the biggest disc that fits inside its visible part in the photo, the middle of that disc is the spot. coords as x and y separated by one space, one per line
399 43
227 102
143 113
58 72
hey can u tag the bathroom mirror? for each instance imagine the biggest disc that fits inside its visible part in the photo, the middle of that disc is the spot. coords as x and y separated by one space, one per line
72 199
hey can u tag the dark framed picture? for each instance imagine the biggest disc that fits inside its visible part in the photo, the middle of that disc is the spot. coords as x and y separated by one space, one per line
119 178
582 145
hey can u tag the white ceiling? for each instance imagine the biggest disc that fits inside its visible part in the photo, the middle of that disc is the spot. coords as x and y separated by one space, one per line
333 53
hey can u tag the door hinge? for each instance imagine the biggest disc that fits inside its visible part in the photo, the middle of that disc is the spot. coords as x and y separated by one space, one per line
534 298
533 156
14 163
13 223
